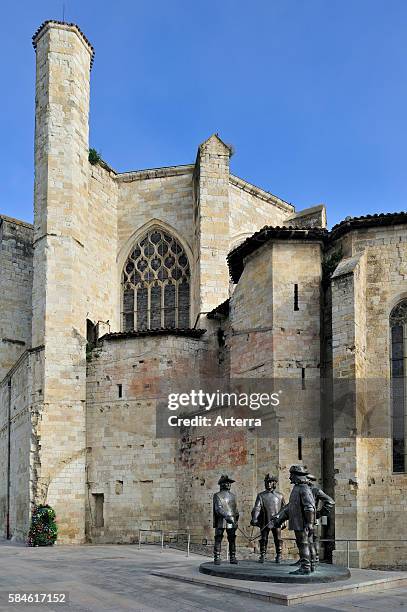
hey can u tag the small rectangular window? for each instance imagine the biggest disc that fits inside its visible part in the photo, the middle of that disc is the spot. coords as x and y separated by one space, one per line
98 503
120 390
299 448
296 307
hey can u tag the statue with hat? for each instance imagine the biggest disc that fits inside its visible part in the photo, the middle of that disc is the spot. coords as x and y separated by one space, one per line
225 515
268 503
323 506
300 512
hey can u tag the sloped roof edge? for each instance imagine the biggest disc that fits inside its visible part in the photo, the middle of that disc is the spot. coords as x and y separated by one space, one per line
251 244
382 219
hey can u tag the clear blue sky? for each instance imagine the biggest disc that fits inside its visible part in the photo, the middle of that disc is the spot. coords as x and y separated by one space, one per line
311 93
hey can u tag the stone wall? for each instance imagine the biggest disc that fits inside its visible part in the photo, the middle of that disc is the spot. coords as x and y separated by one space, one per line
19 394
386 284
252 208
102 291
164 194
315 216
131 472
15 290
205 207
161 197
251 342
264 338
379 492
349 361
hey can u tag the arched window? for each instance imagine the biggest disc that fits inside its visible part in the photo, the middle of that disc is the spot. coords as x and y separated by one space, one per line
156 284
398 329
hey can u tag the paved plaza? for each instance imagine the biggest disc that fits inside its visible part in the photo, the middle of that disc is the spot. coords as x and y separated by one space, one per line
118 577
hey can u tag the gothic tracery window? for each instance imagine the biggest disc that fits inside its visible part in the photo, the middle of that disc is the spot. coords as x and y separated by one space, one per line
156 284
398 329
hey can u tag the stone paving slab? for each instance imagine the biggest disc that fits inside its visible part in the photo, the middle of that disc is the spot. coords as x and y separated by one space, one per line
361 581
111 578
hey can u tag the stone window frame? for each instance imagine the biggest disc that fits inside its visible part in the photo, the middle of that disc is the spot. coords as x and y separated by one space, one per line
145 269
398 320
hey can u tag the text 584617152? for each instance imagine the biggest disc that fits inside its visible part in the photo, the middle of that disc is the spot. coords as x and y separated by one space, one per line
33 598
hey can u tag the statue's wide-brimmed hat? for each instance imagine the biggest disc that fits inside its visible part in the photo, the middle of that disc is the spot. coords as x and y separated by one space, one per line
312 477
299 470
270 478
225 478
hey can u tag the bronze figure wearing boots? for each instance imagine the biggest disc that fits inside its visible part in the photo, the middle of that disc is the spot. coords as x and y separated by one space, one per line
225 515
268 503
323 507
300 512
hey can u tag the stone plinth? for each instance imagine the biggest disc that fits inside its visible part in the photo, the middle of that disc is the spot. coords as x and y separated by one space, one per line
273 572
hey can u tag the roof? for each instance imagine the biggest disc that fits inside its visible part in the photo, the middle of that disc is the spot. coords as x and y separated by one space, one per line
152 173
16 221
251 244
383 219
347 266
215 138
222 309
67 26
161 331
258 192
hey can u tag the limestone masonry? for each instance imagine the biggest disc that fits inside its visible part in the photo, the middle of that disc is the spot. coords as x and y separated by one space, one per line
186 275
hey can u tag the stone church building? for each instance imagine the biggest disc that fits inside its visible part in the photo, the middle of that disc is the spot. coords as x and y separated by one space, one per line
128 279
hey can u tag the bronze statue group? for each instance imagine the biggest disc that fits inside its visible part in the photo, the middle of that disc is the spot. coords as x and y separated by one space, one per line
306 505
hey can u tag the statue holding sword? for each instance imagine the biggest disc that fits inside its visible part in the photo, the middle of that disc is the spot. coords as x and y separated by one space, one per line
225 515
268 503
301 515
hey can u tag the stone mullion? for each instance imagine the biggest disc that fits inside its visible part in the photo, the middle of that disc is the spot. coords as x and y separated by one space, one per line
135 313
176 304
162 319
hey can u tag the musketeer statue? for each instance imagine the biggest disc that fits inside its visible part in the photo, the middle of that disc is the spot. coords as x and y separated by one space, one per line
268 503
300 512
225 515
325 508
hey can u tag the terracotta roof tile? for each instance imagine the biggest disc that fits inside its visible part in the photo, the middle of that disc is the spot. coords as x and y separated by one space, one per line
251 244
161 331
348 224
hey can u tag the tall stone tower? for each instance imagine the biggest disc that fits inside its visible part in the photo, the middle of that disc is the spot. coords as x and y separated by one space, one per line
212 223
63 62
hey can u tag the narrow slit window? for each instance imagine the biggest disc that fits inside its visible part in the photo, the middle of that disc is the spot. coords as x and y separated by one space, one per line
296 307
120 390
299 448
